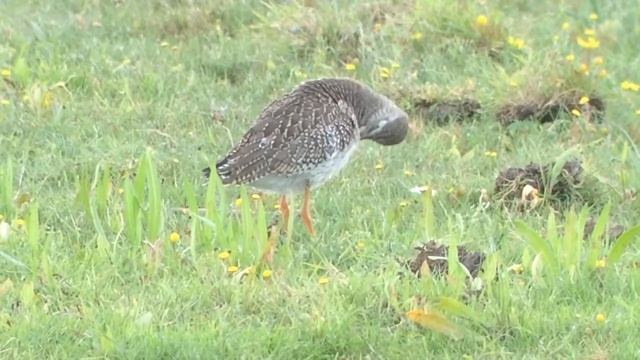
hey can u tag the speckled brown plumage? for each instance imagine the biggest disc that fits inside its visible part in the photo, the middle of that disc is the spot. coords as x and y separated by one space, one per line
314 125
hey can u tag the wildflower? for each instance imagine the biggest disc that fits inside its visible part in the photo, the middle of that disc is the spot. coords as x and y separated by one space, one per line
516 268
360 245
566 26
576 112
5 230
164 44
583 68
490 154
238 202
421 189
384 72
583 100
600 318
630 86
590 43
416 35
255 196
379 166
517 43
598 60
482 20
174 237
323 280
350 66
231 269
593 16
5 73
20 223
224 255
408 173
266 274
570 57
601 263
602 73
589 32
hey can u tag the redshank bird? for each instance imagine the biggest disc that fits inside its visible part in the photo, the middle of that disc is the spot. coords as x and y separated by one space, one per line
304 138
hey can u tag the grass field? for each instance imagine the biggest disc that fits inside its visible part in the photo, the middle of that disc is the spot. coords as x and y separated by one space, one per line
112 245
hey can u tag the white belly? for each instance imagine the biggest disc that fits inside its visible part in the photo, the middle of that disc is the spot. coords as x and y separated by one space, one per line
315 176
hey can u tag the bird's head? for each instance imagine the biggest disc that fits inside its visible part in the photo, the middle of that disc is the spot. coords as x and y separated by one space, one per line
385 124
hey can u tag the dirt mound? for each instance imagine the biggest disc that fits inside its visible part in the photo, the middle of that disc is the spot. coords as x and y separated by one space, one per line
511 182
442 111
548 109
435 256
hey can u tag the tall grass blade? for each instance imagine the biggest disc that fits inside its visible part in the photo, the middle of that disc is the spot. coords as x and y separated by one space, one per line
622 243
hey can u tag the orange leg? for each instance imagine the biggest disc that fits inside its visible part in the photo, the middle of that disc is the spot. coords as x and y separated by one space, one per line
305 213
284 210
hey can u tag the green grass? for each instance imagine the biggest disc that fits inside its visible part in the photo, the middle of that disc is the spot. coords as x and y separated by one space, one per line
109 110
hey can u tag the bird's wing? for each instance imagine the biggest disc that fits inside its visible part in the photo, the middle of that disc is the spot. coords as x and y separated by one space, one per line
290 135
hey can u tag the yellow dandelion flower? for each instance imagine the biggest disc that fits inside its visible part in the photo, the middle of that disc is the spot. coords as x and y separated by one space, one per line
602 73
238 202
174 237
360 245
4 102
416 35
576 112
379 166
5 73
570 57
588 43
593 16
323 280
266 274
566 26
255 196
601 263
589 32
517 43
408 173
384 72
20 222
600 318
583 100
490 154
482 20
350 66
516 268
630 86
224 255
231 269
583 68
598 60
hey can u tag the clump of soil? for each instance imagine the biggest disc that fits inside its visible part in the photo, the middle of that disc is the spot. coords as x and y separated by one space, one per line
442 111
435 256
610 236
510 182
548 109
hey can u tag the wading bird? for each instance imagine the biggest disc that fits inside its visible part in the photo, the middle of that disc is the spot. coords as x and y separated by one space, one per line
304 138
